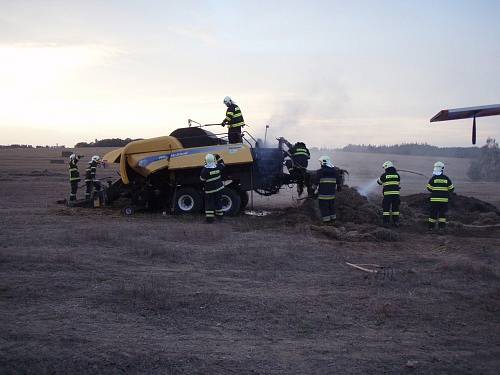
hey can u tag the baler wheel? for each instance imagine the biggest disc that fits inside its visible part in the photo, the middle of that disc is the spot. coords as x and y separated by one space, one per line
231 202
187 200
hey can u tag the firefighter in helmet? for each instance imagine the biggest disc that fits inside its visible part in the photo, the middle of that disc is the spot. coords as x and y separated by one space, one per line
299 156
90 173
74 175
329 181
440 187
234 121
211 175
390 181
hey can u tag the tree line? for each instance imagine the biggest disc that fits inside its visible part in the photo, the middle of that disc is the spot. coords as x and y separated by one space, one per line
107 142
416 149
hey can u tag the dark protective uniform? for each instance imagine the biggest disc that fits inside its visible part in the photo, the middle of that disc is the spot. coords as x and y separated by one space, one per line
329 181
390 180
212 177
234 121
74 178
440 187
300 156
90 178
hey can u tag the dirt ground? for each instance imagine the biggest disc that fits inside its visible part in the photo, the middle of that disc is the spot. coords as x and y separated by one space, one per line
89 291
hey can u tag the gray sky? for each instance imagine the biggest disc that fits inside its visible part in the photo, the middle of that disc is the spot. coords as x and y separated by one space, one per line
325 72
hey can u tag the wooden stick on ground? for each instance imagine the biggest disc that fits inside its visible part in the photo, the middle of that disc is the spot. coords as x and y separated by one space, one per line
361 268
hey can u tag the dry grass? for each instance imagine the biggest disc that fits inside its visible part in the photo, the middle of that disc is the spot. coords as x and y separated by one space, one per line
88 291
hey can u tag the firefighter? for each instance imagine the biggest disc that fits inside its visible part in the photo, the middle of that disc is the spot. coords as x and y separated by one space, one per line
329 181
219 160
234 121
390 180
440 187
300 155
211 175
90 175
74 175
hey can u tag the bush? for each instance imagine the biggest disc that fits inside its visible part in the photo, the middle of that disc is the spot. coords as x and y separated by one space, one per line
487 165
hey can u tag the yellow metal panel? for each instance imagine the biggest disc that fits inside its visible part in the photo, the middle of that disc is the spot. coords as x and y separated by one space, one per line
113 156
154 146
195 157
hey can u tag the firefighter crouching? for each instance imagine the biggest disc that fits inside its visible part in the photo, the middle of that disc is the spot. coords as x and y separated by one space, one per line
440 187
74 175
211 175
234 121
390 181
329 181
90 173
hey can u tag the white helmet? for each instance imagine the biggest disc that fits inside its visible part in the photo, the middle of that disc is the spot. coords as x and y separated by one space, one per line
96 158
209 159
325 160
72 157
439 164
227 100
387 164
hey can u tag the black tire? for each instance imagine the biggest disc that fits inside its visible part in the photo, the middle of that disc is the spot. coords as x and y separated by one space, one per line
231 202
128 211
244 199
188 200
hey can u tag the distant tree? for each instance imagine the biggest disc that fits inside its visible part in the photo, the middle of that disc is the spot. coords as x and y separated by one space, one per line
108 142
487 165
421 149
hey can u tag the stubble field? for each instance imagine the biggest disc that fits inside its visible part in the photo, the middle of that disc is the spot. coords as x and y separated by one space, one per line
90 291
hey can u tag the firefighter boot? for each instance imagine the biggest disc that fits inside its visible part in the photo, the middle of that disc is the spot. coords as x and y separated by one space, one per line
431 225
386 220
395 220
442 225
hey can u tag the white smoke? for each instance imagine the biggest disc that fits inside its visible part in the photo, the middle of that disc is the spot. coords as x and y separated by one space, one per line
367 188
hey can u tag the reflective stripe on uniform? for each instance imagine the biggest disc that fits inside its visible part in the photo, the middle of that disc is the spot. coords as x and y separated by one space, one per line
432 220
391 192
386 213
236 125
439 188
327 181
395 213
326 197
387 183
301 151
440 181
213 179
391 176
443 200
442 220
215 190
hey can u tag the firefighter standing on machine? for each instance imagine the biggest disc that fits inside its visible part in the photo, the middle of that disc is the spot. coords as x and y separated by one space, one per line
300 155
329 182
211 175
90 173
440 187
74 175
234 121
390 180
